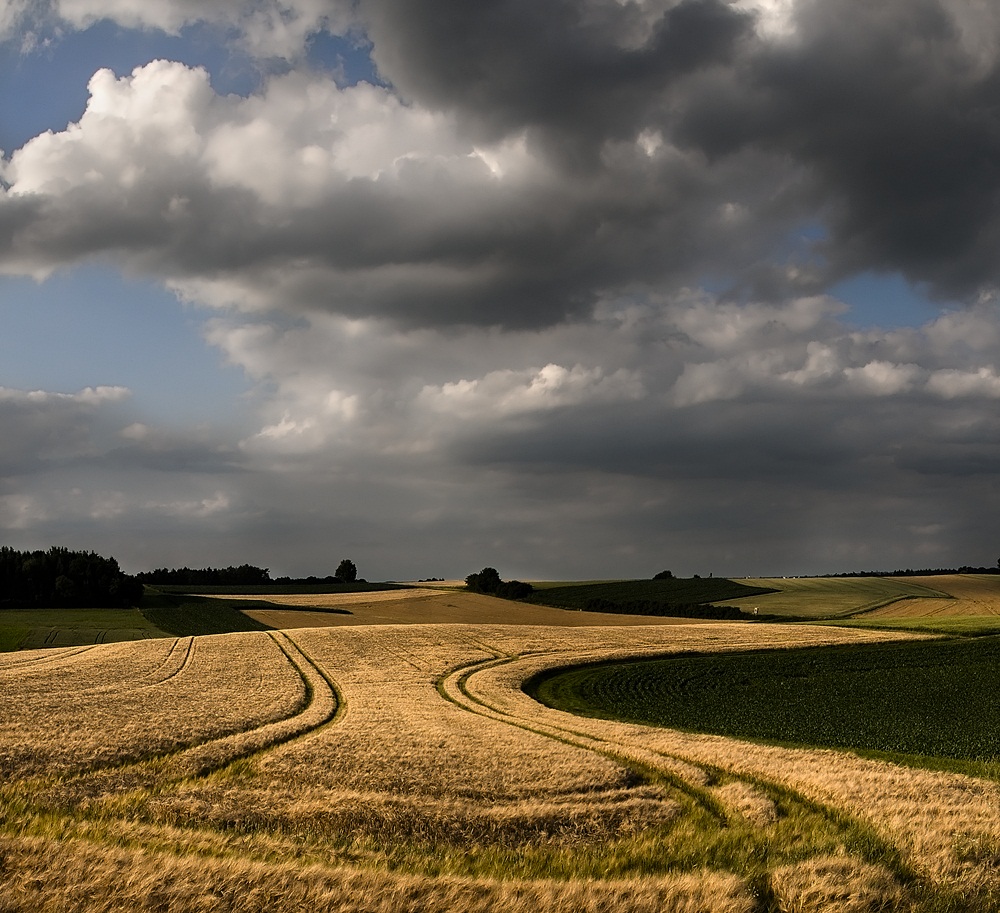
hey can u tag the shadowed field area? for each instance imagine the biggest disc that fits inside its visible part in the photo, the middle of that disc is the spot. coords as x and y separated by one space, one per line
422 606
918 697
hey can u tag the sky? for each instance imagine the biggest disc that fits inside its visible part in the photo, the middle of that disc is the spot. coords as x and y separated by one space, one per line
577 289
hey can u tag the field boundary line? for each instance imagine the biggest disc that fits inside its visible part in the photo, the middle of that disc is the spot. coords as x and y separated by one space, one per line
882 603
865 610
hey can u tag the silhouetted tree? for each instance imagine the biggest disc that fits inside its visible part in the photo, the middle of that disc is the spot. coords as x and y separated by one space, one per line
488 581
245 574
347 571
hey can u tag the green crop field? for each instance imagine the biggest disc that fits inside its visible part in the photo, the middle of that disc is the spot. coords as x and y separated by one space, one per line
921 698
956 625
604 595
24 629
827 597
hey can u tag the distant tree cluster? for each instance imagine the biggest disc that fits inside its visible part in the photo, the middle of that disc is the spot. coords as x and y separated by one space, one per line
922 572
664 575
488 581
60 578
245 574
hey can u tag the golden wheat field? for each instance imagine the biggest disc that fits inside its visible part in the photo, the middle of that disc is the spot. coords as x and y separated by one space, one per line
967 594
402 767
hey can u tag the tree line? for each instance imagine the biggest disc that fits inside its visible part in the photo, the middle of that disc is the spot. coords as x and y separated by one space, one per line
61 578
206 576
244 575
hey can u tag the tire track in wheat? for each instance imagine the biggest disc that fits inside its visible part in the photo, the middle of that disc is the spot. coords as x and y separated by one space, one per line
175 647
321 705
48 657
694 777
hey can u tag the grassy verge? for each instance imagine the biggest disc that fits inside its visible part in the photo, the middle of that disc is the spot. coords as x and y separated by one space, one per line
12 636
953 625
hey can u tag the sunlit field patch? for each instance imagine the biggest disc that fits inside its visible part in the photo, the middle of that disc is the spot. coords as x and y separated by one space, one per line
398 767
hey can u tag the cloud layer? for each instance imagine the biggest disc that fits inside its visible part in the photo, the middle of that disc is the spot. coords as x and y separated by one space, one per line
567 307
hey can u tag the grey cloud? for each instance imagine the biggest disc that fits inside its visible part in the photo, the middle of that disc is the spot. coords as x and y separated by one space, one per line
42 429
590 70
662 143
471 339
893 109
431 238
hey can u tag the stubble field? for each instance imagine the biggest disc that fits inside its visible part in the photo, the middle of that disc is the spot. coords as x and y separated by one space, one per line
402 767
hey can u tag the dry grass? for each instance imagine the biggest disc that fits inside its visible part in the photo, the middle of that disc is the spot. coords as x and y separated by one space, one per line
213 775
837 884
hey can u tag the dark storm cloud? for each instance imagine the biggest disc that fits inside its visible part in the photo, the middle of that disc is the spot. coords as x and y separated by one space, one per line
594 71
895 112
531 158
892 108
